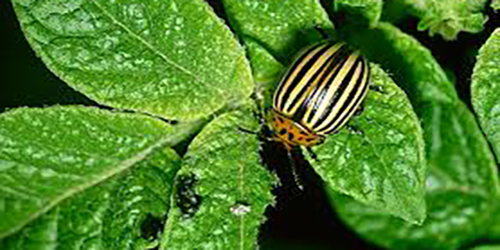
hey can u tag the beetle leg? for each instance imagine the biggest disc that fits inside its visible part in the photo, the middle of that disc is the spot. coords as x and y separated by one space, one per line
312 154
261 136
248 131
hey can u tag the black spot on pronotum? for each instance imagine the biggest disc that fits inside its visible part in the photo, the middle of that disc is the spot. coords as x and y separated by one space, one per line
309 139
303 133
282 131
187 199
290 136
151 227
281 119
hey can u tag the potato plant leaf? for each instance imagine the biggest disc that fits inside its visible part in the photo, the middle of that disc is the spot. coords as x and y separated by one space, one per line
172 58
495 4
50 158
488 247
446 18
362 11
411 65
493 232
485 89
460 190
455 149
266 71
281 27
125 212
383 164
222 190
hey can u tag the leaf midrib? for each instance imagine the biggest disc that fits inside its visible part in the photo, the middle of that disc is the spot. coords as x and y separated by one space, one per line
145 43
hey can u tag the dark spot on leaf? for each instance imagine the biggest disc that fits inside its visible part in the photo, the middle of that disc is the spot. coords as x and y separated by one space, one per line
290 136
152 227
282 131
188 200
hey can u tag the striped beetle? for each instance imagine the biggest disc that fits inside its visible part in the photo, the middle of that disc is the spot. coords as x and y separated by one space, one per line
320 92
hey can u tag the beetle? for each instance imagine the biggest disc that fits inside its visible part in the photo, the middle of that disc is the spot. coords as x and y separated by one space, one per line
318 94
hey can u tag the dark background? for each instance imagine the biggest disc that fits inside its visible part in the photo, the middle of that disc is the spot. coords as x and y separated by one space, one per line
301 219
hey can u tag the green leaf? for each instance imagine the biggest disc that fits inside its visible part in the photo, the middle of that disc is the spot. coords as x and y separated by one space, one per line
234 189
125 212
493 232
50 156
495 4
492 247
172 58
461 187
384 165
362 11
446 18
265 68
281 27
410 64
485 89
266 72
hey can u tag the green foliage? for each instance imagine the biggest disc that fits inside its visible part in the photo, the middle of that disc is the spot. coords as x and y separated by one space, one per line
410 64
384 165
361 11
460 191
462 184
485 89
83 173
495 4
92 178
485 86
233 186
486 248
141 55
282 27
446 18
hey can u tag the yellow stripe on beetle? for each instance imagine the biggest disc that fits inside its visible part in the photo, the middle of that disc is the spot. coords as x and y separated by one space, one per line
319 93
